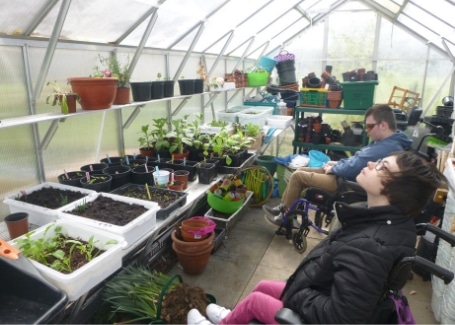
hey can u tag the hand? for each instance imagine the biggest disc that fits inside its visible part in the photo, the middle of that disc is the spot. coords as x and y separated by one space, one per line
327 169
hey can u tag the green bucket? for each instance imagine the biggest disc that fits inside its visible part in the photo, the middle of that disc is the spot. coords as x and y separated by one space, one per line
267 162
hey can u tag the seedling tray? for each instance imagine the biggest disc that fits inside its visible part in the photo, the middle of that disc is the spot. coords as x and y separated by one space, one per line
234 170
177 199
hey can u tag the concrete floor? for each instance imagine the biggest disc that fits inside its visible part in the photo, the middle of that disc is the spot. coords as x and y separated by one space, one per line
251 251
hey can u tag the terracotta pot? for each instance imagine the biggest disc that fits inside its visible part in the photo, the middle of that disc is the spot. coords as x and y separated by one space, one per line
122 96
176 185
71 102
192 246
95 93
193 225
182 175
180 156
17 224
149 152
193 263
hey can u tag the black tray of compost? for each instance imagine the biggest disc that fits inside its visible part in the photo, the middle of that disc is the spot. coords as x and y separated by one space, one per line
168 200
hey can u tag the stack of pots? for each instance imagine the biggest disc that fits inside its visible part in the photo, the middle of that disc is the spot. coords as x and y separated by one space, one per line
286 69
193 243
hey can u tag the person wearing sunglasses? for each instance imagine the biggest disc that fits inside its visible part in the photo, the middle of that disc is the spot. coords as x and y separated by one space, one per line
342 278
381 127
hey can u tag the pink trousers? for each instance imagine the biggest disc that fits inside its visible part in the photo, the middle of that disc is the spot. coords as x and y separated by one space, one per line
261 304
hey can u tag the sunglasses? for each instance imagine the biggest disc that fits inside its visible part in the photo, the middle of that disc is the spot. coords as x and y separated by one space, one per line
370 126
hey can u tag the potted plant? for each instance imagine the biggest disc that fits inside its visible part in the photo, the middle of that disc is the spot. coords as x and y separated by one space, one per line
179 140
253 131
146 142
66 99
186 86
168 87
121 72
162 144
158 87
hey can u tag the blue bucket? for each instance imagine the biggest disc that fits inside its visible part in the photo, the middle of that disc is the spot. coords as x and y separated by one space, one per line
317 159
267 63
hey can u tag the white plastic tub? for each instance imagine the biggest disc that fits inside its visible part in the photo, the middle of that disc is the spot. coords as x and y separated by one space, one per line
80 281
132 232
38 215
279 121
255 115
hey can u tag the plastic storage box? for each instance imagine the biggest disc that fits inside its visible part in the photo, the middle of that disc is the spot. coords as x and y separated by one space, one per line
358 94
38 215
132 232
256 115
279 121
80 281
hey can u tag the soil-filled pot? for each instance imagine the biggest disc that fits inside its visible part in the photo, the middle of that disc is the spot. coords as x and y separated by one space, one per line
71 102
206 173
182 175
186 86
96 168
157 89
112 161
120 175
142 175
176 185
97 182
142 91
123 96
71 178
169 88
95 93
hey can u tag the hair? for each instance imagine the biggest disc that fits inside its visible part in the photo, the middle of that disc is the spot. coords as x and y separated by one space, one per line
411 188
383 112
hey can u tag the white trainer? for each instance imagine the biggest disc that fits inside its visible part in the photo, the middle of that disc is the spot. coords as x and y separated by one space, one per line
194 317
216 313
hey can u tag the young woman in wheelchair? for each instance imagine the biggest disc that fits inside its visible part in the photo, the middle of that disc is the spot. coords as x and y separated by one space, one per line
381 126
343 277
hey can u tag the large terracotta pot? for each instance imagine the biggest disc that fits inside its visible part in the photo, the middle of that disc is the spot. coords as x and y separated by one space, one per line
95 93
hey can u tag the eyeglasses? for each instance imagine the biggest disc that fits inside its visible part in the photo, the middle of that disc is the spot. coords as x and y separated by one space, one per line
370 126
380 165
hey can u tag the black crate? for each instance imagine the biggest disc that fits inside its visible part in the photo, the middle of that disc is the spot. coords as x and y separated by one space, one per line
164 211
250 158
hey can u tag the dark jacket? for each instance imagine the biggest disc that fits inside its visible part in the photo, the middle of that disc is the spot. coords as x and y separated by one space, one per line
349 168
342 278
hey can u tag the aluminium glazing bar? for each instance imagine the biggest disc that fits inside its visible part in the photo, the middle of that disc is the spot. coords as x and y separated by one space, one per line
41 14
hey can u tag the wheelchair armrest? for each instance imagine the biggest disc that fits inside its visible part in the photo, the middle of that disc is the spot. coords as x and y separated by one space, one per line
287 316
448 237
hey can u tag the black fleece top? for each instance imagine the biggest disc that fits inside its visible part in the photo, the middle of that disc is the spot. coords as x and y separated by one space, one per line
342 278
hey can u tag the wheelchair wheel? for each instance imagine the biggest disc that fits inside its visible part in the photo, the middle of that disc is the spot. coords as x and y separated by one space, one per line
258 180
319 218
299 241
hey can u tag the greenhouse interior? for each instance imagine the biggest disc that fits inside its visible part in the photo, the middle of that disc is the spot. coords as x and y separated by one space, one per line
199 114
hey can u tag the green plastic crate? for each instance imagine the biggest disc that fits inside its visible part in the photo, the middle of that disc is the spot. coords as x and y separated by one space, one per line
358 94
313 97
283 174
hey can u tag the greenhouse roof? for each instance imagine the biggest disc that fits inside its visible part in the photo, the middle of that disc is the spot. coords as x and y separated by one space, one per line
230 27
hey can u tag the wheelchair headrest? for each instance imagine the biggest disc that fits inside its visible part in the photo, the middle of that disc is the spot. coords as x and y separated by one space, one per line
414 115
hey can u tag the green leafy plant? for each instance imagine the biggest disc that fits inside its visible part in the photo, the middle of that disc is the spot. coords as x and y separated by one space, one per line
135 292
59 251
252 130
179 136
59 96
160 132
158 76
146 140
113 68
218 123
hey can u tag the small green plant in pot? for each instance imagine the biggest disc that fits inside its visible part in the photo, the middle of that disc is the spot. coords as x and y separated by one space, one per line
146 141
66 99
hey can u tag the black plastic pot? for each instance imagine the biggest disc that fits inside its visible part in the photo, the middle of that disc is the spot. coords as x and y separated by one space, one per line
112 161
139 175
187 86
99 186
206 173
286 72
74 178
198 86
142 91
157 89
96 168
120 175
168 88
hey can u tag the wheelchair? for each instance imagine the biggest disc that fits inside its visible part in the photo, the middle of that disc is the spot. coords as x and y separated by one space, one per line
385 312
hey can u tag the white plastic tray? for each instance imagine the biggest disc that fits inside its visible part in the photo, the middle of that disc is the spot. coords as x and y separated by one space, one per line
38 215
80 281
279 121
132 232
